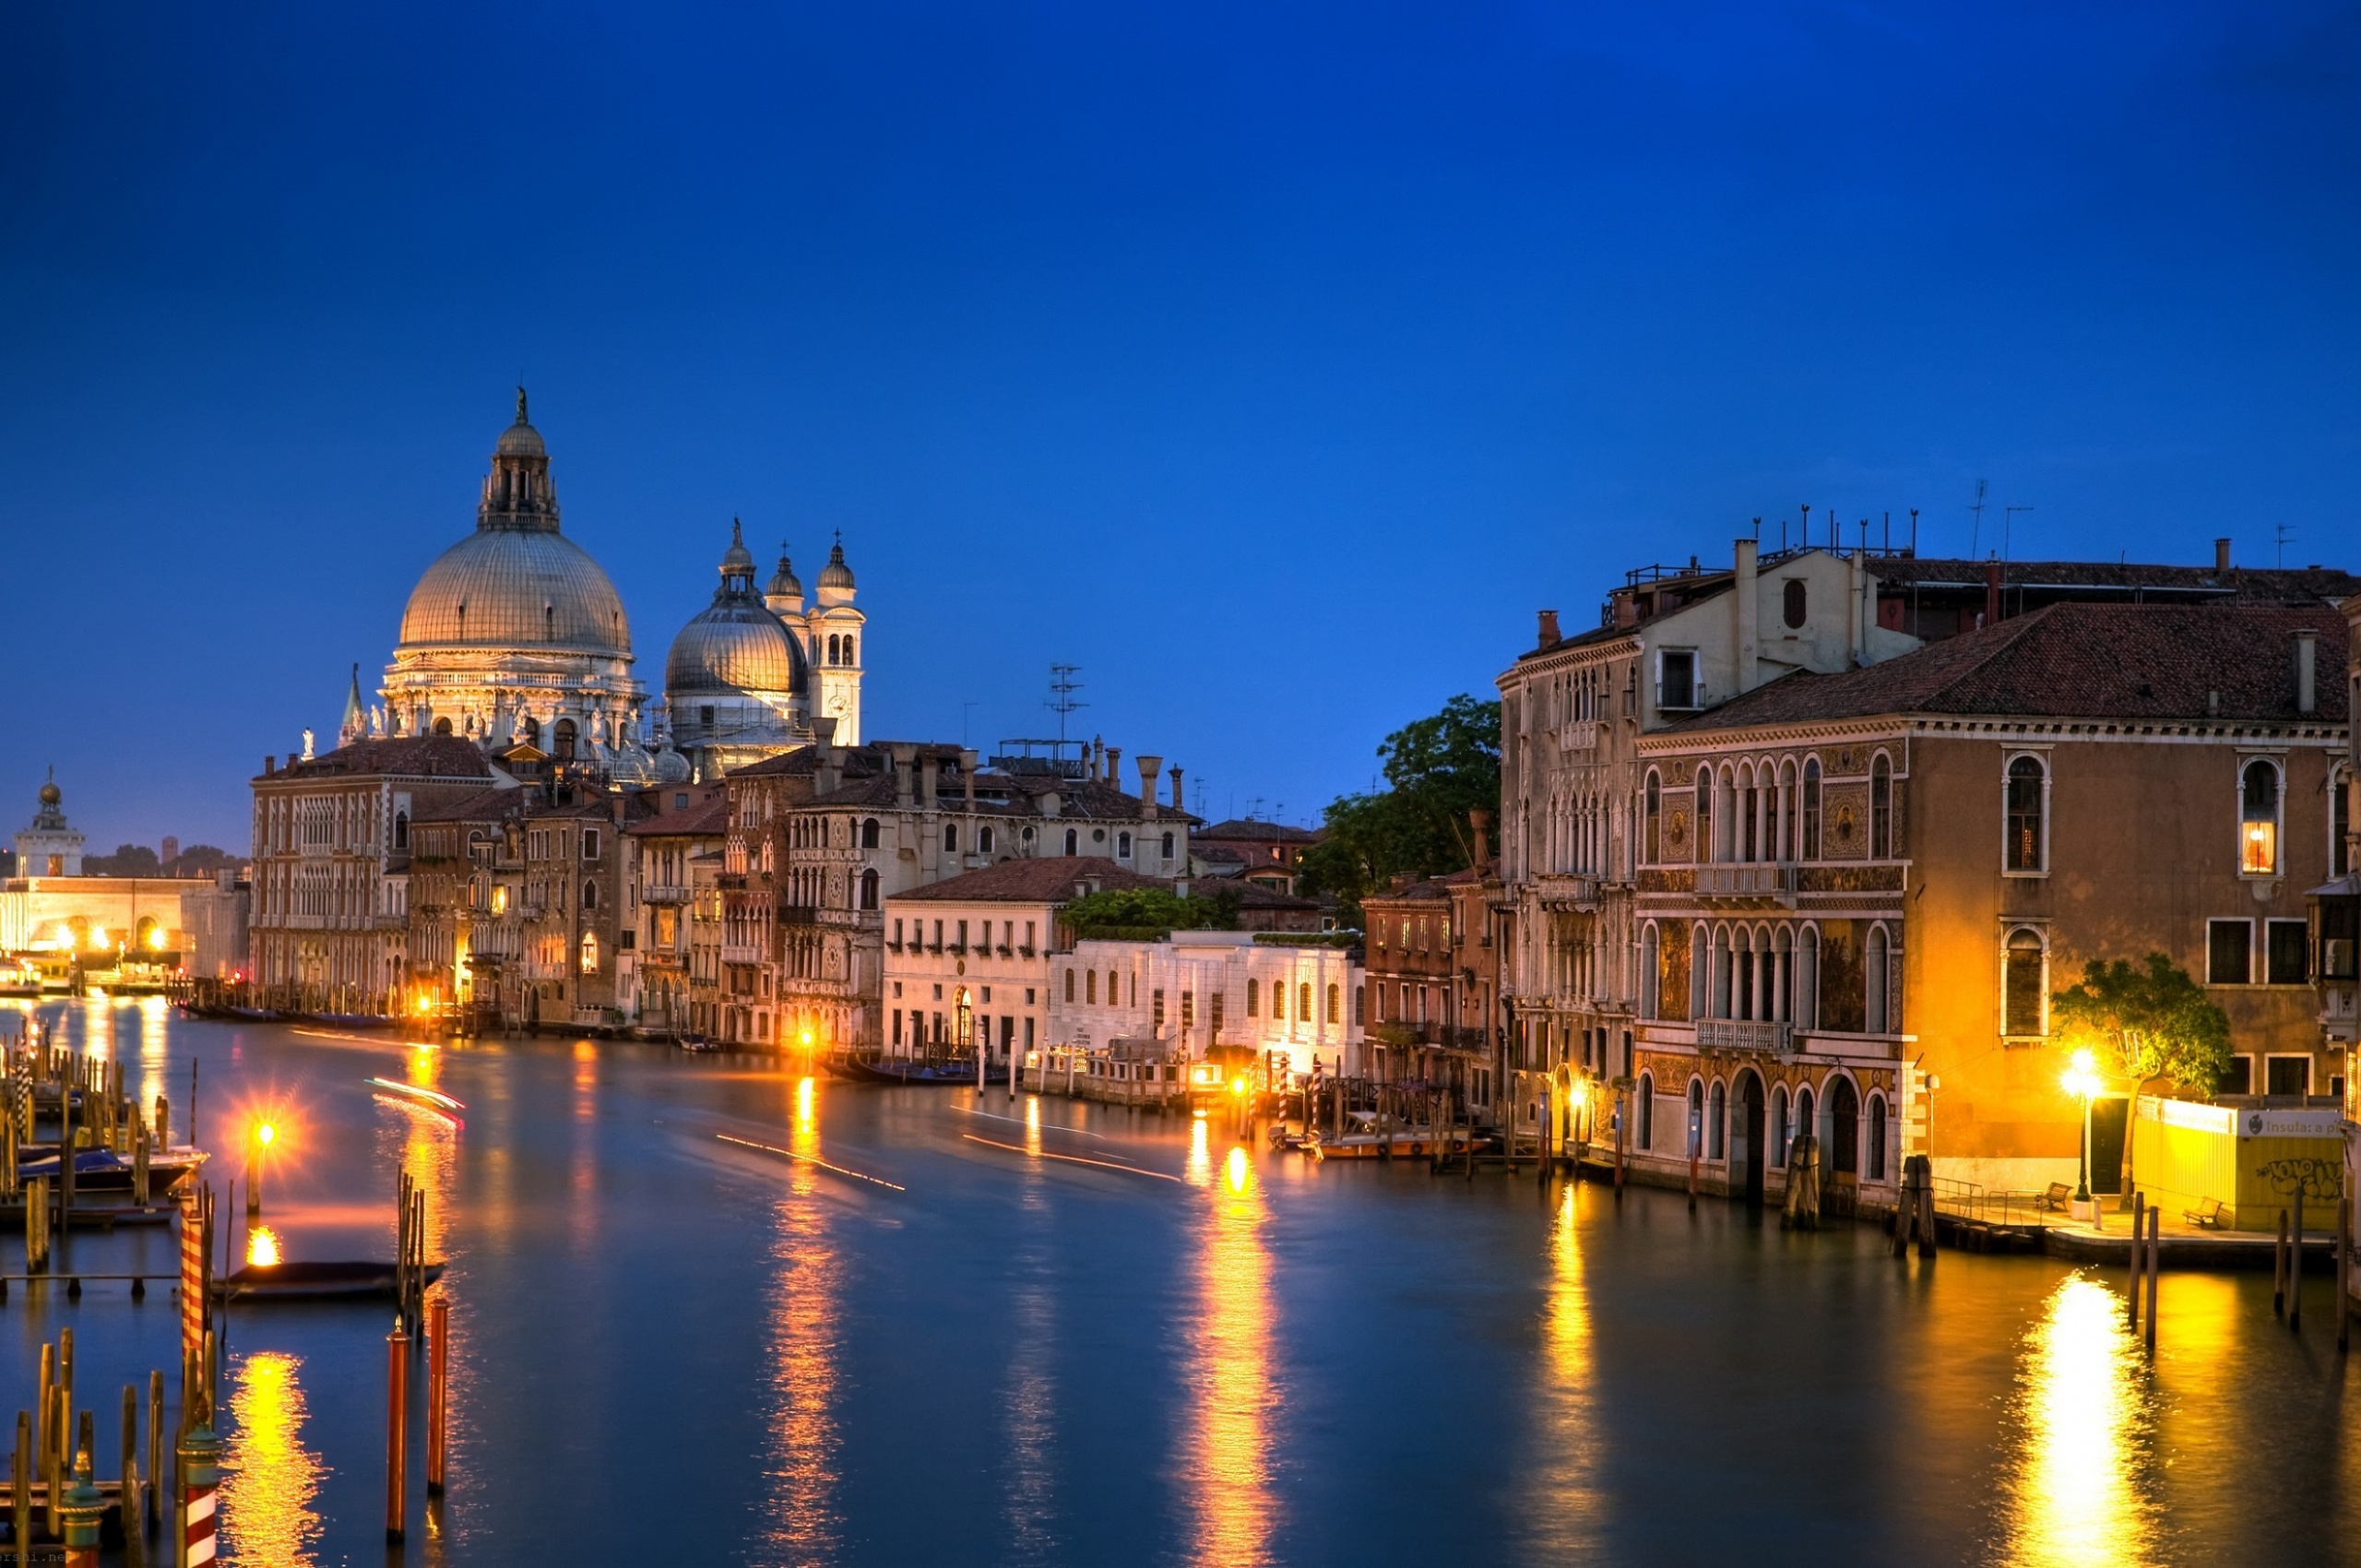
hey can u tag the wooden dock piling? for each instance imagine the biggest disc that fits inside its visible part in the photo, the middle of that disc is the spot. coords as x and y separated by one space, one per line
20 1492
438 1393
2139 1260
135 1537
2279 1269
396 1433
2296 1266
2156 1266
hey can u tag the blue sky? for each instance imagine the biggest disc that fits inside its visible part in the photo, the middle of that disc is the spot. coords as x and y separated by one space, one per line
1272 362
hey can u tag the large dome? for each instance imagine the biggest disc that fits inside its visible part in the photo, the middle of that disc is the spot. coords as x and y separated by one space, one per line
510 587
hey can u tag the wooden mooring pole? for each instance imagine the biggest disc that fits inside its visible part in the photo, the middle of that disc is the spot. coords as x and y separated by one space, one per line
396 1433
2156 1266
2296 1266
438 1393
2139 1260
2343 1274
2279 1269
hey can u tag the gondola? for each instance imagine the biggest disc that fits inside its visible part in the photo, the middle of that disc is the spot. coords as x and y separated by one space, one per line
901 1070
103 1170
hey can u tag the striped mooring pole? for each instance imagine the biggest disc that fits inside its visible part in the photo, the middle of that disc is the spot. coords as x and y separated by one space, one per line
199 1451
80 1514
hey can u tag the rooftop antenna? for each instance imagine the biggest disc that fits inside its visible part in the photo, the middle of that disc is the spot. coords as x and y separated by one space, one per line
1783 533
1976 530
2282 534
1803 529
1914 532
1062 686
1888 546
2008 526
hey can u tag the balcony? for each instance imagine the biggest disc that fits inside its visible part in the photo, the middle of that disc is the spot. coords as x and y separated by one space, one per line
1745 1034
1582 736
1748 879
798 914
1568 892
663 892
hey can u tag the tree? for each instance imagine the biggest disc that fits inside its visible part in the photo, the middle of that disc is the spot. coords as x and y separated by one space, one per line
1439 770
2156 1021
1151 908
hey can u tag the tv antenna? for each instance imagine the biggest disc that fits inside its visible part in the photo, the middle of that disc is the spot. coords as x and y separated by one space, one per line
1976 530
2280 536
1062 701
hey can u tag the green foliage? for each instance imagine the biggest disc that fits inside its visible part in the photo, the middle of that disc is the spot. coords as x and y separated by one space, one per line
1134 911
1437 769
2157 1022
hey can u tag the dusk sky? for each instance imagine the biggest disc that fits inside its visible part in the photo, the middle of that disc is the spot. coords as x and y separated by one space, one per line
1274 364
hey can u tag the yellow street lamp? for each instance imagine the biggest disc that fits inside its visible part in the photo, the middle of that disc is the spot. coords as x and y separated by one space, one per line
2081 1080
263 1134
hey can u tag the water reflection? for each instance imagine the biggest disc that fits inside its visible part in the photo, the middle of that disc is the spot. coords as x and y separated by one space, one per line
1230 1382
262 1246
1566 1503
1031 1401
2083 1414
801 1521
269 1477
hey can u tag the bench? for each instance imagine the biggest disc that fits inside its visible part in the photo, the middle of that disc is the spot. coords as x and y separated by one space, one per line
2057 1198
2209 1213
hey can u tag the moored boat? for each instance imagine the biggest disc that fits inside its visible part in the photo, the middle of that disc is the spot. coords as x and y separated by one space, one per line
901 1070
320 1282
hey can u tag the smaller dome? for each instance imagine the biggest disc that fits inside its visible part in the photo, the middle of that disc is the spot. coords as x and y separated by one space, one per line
520 440
51 794
835 573
671 767
737 561
785 584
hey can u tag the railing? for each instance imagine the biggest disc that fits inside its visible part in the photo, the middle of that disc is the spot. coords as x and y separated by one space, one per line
1557 889
1580 736
798 914
1746 879
663 892
1745 1034
1970 1201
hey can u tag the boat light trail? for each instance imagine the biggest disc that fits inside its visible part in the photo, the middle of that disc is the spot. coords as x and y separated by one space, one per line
1069 1158
1021 1122
414 1091
813 1160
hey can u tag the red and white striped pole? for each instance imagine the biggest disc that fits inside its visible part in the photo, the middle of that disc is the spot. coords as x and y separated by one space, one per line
199 1454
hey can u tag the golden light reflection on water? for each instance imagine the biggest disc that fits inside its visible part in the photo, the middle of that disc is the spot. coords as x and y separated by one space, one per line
1029 1505
155 1019
262 1246
2082 1414
269 1477
801 1523
1231 1389
1566 1499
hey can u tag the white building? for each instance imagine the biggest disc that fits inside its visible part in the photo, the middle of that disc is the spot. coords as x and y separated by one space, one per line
969 959
1199 989
51 846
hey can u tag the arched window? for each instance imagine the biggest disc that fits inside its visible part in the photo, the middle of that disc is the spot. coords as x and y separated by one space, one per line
831 650
1881 808
561 740
869 890
401 830
1073 840
1646 1135
1114 994
1090 988
1877 1137
848 658
1279 1001
589 895
1795 605
530 730
1807 979
1335 1003
951 838
1704 784
869 833
1696 1117
1715 1147
1123 846
1650 956
1649 812
1811 809
2259 819
1253 998
2024 985
1804 1118
1873 981
443 726
1168 846
1699 971
983 840
1779 1126
1303 1002
2027 848
1068 985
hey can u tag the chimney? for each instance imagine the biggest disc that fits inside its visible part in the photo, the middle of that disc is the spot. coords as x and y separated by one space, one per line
1149 767
1097 758
929 783
1991 593
2221 554
1051 803
1480 823
968 777
1549 637
1177 806
2306 670
1746 610
270 764
1856 579
905 758
1113 772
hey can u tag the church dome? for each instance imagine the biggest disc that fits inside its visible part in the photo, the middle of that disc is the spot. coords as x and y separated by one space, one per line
507 588
735 647
835 573
51 794
785 584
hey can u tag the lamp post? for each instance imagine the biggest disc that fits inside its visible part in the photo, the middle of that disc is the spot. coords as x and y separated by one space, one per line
2083 1081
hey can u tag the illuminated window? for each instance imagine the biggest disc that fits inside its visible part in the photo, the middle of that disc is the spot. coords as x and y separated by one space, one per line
500 898
2259 819
1877 1137
1090 987
1880 808
1335 1004
1650 812
1253 998
589 952
2026 847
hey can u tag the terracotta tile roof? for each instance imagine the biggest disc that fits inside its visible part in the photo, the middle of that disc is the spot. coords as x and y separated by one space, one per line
484 805
1045 879
408 757
1430 890
2080 662
700 818
2301 586
1252 895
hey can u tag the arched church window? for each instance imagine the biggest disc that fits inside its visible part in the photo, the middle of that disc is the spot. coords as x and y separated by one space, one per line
443 726
530 730
984 840
848 658
401 830
869 833
869 890
1124 852
589 895
563 740
831 650
1073 841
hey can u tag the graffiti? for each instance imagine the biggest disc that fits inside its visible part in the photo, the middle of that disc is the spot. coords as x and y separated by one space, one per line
2317 1177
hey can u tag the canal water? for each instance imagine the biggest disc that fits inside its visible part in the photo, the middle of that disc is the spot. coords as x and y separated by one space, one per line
911 1335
